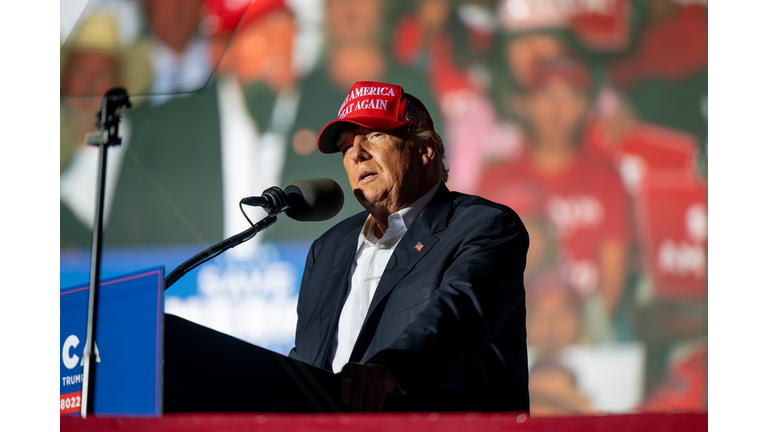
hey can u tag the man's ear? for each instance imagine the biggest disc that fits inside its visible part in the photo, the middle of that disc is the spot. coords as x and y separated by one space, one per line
427 150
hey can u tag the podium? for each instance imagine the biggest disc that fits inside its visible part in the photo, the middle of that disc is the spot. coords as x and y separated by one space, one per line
150 363
205 370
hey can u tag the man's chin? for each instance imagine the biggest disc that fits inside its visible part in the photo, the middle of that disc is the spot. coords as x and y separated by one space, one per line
367 199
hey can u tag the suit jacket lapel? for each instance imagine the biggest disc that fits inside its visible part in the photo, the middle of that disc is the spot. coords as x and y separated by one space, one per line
432 219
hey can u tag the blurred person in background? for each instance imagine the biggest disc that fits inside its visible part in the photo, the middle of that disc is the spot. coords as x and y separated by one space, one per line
354 50
523 52
510 66
528 32
91 65
154 192
93 61
554 391
448 40
531 31
150 198
584 197
517 53
553 317
179 54
261 54
431 36
174 161
257 97
216 145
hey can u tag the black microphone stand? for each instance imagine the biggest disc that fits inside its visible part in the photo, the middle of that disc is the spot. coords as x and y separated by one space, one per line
217 249
109 121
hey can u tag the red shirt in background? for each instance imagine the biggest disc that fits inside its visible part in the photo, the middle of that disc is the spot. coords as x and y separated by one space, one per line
586 204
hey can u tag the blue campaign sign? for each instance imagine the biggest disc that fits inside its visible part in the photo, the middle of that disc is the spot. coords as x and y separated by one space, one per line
129 331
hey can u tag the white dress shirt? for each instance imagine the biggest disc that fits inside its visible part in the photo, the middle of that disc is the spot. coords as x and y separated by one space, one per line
370 261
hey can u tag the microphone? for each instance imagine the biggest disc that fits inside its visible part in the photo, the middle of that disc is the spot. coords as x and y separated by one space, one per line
315 199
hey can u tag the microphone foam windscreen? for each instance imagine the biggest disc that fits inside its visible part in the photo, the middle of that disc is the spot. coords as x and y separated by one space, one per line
315 199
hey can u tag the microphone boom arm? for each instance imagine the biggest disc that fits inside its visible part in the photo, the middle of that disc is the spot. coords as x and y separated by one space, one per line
301 200
217 249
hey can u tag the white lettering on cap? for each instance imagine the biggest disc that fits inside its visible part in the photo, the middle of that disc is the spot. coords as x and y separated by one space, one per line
365 91
379 104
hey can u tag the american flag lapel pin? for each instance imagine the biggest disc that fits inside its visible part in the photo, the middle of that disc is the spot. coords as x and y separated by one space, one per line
419 246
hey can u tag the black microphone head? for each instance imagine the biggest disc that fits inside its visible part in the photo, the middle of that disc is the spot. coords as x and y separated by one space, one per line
315 199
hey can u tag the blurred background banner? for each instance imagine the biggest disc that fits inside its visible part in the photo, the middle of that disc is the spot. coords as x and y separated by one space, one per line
587 117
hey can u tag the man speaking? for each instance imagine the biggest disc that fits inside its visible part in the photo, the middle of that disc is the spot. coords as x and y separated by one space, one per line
421 294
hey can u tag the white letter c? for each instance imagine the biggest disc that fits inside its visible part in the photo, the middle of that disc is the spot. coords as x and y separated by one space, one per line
70 361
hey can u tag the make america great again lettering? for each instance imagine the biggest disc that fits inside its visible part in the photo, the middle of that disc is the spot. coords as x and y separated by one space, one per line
349 105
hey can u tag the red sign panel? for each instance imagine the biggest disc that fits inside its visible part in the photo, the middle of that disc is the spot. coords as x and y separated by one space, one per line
672 209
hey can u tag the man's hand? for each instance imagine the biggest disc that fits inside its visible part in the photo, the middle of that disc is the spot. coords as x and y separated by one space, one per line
364 386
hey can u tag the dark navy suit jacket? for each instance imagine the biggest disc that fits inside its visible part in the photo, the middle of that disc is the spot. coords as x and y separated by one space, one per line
448 316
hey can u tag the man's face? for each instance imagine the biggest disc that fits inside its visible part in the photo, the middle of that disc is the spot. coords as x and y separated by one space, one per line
353 20
554 112
263 49
523 53
89 73
553 321
382 167
174 22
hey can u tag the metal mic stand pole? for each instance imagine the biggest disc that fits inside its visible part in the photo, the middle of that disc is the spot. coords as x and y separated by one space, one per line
109 121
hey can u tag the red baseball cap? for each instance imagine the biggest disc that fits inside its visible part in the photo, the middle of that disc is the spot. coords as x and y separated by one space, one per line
223 16
376 106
